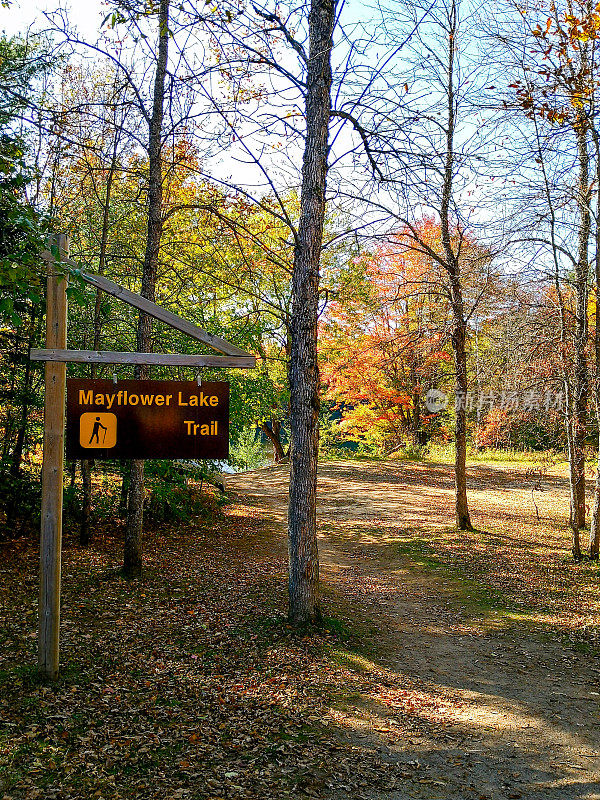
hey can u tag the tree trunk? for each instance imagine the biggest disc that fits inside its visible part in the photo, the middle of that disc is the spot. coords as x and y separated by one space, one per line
132 556
273 435
463 519
303 368
572 475
594 542
86 508
416 432
595 523
580 382
459 332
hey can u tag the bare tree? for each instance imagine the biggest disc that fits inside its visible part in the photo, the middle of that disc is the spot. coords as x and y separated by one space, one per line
552 62
292 53
424 136
304 370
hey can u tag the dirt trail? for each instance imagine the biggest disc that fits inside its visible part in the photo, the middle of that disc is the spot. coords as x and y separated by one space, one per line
484 711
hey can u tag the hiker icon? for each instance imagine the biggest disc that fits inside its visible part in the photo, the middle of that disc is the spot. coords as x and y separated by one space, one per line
97 430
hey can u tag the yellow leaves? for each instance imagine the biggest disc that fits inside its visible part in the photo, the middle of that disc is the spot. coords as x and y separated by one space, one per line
569 29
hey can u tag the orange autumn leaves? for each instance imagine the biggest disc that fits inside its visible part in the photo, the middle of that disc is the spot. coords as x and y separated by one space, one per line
382 345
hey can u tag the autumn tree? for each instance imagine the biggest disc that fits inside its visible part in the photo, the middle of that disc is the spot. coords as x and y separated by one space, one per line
426 141
383 345
152 29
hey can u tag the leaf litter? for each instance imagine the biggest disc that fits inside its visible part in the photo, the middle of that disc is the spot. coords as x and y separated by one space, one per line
186 684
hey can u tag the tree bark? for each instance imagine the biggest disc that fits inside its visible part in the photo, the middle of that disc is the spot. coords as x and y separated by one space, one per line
463 519
304 605
86 507
132 555
594 541
459 332
415 422
580 382
273 435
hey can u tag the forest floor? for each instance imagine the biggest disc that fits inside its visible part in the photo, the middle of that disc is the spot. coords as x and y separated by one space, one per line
483 646
452 666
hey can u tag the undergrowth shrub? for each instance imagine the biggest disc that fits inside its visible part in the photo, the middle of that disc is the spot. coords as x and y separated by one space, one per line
20 499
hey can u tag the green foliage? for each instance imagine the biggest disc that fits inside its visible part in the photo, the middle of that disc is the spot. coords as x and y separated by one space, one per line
169 502
176 490
337 439
22 231
22 227
411 452
248 451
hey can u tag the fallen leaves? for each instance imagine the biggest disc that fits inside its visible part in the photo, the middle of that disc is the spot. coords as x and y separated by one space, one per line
187 684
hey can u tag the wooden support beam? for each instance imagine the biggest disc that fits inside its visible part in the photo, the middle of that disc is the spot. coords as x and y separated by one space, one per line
154 359
156 311
52 469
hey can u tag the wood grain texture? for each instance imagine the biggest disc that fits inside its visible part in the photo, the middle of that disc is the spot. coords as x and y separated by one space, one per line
151 359
52 470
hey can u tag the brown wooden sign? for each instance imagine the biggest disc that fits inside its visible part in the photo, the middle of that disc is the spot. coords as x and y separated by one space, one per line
130 419
147 419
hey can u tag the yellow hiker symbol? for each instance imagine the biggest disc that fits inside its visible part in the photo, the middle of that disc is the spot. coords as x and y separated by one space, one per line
97 430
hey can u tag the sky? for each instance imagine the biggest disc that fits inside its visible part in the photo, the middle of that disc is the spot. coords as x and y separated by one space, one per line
86 14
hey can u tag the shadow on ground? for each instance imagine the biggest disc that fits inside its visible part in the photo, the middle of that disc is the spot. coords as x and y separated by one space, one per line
470 693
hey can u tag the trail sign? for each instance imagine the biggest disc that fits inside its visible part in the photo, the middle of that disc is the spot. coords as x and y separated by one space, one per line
147 419
96 430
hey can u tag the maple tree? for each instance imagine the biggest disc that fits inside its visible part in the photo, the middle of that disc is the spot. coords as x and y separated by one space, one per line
383 345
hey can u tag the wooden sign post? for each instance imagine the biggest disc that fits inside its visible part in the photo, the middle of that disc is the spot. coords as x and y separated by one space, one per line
56 357
52 469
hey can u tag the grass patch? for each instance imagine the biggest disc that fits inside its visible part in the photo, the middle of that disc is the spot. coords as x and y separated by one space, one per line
469 593
445 455
355 661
